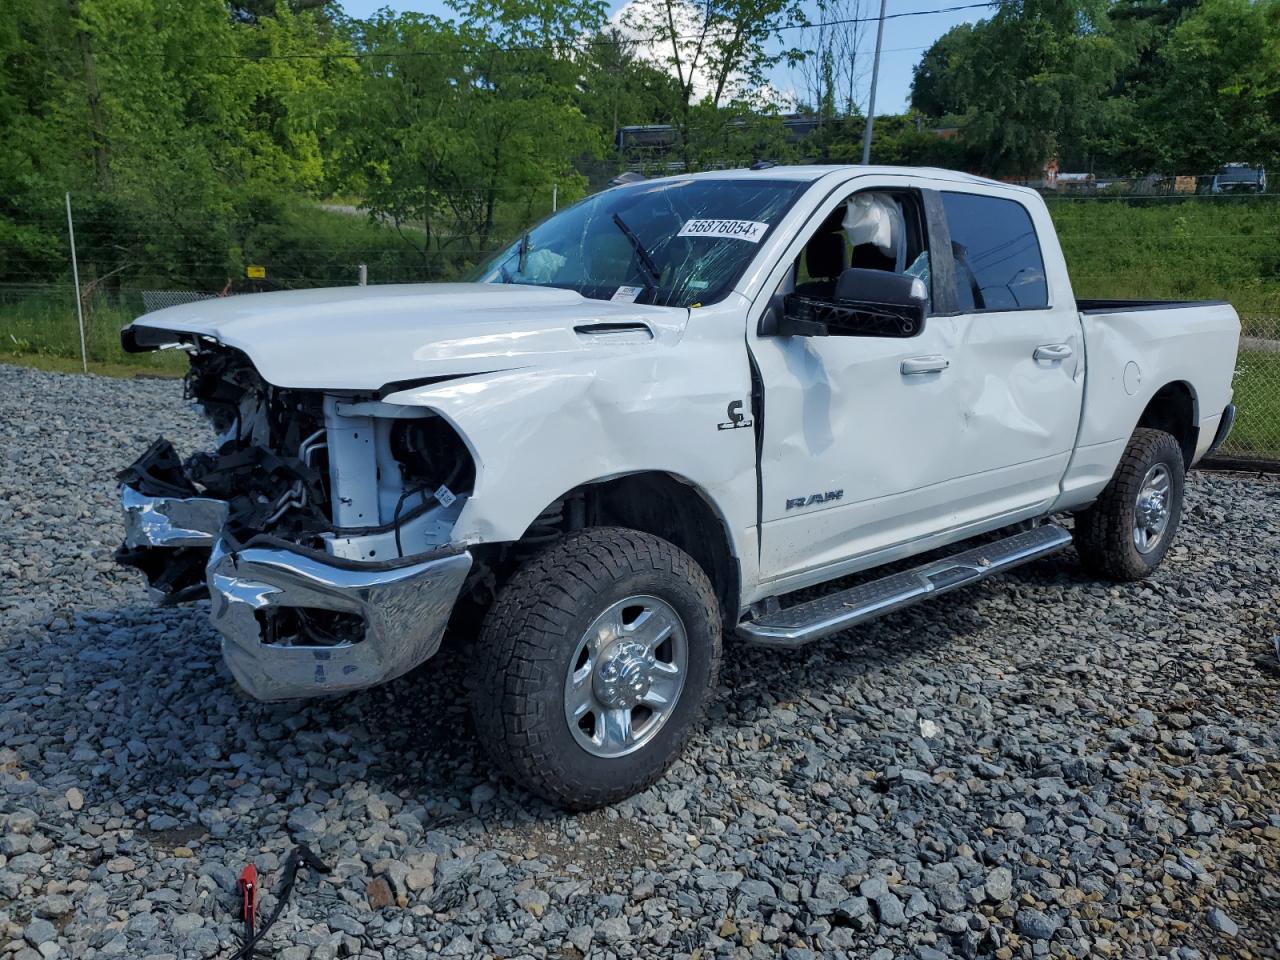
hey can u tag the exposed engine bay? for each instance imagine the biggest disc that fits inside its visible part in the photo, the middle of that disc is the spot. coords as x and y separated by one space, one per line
340 477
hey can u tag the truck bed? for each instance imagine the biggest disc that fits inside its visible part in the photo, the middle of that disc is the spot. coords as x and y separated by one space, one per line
1136 349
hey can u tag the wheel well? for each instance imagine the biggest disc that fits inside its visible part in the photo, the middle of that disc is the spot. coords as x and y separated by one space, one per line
1173 410
659 504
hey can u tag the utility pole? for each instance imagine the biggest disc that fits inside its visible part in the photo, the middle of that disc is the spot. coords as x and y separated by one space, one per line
875 76
75 278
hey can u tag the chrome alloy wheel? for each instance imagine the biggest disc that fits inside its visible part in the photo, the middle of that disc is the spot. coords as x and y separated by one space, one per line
1151 512
625 676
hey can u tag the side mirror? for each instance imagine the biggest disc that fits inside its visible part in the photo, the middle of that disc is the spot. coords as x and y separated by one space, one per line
866 303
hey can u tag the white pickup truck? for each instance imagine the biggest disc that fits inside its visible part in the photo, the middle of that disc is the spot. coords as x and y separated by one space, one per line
653 419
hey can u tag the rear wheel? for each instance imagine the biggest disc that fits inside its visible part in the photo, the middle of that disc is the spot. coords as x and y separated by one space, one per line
1127 532
595 665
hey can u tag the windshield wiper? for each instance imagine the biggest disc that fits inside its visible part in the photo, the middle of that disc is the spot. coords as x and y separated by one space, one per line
523 252
646 261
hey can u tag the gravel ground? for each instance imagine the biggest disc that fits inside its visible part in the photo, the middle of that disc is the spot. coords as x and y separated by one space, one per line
1042 765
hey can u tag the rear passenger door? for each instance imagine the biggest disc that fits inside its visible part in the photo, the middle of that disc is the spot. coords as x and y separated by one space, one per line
1018 355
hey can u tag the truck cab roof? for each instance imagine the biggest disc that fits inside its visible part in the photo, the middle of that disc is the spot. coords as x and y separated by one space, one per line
817 171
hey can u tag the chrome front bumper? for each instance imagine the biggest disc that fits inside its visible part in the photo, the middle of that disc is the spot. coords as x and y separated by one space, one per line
170 521
403 606
404 609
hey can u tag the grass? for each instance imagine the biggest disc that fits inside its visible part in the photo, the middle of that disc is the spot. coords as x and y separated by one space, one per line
1257 389
173 367
41 331
1194 249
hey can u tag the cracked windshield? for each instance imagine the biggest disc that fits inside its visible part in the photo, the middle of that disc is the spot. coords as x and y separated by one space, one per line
672 243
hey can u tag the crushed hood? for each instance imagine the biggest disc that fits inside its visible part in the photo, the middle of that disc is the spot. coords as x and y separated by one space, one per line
360 338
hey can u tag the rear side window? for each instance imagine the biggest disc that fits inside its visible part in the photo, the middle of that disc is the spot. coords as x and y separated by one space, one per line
997 254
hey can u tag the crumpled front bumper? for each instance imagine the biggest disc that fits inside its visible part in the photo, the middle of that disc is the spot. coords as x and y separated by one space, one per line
170 521
404 609
403 605
169 538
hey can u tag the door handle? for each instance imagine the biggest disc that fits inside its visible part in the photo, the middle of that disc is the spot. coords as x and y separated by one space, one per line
1053 351
920 365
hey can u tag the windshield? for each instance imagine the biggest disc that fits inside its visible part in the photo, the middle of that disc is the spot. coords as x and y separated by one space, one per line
1238 174
673 243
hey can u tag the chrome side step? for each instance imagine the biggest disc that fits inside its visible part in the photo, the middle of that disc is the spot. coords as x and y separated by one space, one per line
815 619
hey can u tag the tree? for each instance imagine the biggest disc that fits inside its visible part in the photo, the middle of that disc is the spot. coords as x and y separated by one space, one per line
454 122
720 54
938 88
250 11
1215 95
1026 82
619 88
44 128
831 69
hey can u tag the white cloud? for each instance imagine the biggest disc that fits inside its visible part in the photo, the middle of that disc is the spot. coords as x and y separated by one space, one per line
650 23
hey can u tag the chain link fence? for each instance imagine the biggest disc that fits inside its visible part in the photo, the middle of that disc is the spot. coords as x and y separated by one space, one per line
1256 436
1206 248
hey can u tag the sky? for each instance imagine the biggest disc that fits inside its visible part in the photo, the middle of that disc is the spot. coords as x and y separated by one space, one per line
905 38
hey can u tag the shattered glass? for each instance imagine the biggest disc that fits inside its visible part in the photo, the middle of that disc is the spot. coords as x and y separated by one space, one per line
670 243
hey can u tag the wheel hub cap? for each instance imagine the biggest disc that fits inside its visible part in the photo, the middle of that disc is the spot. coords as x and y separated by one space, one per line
1151 511
625 676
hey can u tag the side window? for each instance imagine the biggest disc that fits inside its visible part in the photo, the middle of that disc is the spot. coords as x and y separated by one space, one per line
873 230
998 265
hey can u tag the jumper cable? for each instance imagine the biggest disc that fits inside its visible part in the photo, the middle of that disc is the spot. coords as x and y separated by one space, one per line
247 885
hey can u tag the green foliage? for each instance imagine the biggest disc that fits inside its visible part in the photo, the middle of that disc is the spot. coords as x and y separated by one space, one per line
904 140
197 136
1024 83
453 127
171 147
1125 87
939 81
618 88
1216 97
42 324
720 53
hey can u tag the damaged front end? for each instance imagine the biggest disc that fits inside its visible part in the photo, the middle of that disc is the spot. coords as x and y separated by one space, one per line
319 528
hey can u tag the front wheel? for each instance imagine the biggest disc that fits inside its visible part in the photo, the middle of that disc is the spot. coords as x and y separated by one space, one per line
1126 534
595 665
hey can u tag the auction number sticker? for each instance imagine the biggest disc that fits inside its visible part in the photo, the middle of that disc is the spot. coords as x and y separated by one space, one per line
626 294
749 230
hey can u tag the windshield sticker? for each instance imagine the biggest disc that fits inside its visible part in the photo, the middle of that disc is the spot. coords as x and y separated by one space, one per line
626 294
749 230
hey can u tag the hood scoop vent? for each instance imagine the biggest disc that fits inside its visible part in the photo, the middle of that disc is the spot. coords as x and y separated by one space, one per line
625 332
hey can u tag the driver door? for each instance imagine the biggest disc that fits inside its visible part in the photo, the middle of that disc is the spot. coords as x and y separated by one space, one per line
861 433
875 448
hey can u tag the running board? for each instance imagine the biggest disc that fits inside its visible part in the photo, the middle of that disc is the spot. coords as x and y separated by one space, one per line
815 619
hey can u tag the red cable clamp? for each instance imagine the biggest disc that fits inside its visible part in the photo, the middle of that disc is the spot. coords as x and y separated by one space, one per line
248 887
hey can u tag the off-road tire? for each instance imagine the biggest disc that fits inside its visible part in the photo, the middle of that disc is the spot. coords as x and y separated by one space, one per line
518 672
1104 533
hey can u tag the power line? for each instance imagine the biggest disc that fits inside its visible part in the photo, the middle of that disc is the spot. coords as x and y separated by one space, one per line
595 41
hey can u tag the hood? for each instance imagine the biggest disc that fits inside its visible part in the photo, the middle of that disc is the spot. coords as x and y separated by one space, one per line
360 338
